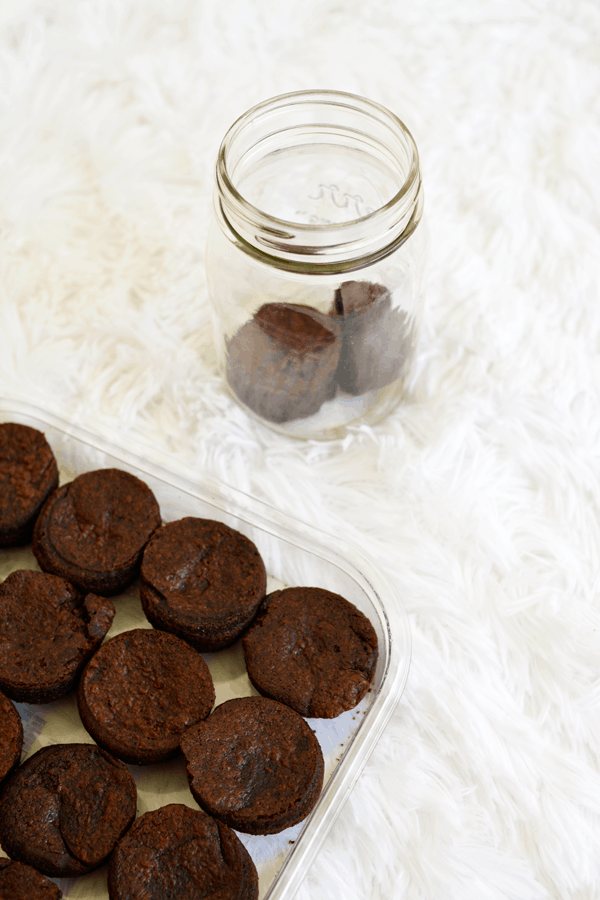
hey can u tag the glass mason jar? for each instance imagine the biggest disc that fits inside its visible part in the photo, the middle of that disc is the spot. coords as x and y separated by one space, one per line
315 261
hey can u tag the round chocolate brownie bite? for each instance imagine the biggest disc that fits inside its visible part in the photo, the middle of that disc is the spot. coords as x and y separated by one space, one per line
11 737
140 692
63 810
28 474
282 363
178 852
203 581
312 650
254 764
47 634
375 337
21 882
93 530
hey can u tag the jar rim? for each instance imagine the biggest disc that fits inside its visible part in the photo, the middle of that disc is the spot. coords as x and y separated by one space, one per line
267 234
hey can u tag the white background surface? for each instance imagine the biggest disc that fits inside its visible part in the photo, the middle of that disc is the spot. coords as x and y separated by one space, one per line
479 497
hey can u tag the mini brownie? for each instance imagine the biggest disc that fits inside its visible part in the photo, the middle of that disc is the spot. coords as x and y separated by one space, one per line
311 649
93 530
375 337
48 633
28 474
178 852
11 737
254 764
282 362
63 810
140 692
21 882
203 581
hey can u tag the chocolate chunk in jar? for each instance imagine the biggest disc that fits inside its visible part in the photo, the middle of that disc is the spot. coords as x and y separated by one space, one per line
28 475
176 851
282 363
254 764
375 337
48 633
63 810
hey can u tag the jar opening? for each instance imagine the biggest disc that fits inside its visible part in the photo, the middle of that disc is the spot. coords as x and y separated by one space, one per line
319 179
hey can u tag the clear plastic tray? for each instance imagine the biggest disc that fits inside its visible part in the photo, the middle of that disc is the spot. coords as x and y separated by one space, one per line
295 553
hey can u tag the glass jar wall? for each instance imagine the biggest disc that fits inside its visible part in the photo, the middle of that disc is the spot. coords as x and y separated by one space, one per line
315 261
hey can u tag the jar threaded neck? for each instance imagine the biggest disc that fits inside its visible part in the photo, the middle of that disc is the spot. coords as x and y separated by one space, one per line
318 181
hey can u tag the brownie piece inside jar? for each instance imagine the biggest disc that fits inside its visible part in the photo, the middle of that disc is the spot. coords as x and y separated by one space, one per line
63 810
176 851
28 474
11 736
48 633
140 692
93 530
202 580
375 337
312 650
282 363
19 881
254 764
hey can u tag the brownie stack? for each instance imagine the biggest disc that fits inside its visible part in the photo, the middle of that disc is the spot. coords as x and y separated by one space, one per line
289 359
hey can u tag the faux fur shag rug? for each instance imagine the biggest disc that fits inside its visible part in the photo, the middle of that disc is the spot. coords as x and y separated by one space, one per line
479 496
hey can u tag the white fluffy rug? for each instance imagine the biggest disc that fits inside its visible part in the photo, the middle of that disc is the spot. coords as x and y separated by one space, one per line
480 496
